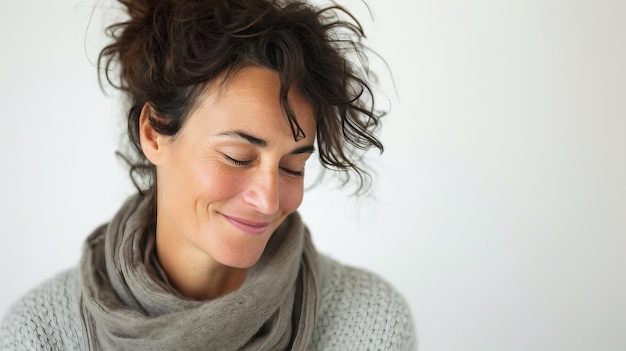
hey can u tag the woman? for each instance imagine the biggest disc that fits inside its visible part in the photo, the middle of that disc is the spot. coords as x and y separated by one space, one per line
228 100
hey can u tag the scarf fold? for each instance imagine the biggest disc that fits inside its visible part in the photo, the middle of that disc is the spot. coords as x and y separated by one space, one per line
128 304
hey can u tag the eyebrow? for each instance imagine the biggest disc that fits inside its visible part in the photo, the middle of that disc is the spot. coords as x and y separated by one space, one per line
249 138
306 149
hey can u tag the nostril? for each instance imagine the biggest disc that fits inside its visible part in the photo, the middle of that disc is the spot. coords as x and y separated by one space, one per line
264 199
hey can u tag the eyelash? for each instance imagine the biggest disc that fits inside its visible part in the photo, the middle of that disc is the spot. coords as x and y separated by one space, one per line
240 163
236 162
293 173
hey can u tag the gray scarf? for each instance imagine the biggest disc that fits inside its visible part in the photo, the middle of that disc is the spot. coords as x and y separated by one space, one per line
128 304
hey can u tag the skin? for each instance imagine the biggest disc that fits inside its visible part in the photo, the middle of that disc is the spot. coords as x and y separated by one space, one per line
226 181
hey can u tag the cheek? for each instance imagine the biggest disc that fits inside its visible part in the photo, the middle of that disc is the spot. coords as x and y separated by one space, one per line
291 193
218 183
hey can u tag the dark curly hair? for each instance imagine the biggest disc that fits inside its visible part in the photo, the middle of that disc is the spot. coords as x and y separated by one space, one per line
167 51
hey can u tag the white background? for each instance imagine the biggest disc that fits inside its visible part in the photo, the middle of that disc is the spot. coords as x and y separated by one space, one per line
500 202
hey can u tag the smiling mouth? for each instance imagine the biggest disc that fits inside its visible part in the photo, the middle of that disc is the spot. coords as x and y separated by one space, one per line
246 226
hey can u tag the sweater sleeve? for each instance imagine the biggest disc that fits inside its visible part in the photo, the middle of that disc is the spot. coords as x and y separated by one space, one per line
46 318
361 311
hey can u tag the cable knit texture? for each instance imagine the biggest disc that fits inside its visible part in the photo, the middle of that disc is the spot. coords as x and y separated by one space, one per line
358 311
47 318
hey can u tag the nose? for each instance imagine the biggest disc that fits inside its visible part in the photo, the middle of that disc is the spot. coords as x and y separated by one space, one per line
263 192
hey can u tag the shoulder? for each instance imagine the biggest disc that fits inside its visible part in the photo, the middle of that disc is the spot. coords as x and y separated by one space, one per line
46 318
360 310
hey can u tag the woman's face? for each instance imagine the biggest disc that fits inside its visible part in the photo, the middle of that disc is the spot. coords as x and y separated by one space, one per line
233 172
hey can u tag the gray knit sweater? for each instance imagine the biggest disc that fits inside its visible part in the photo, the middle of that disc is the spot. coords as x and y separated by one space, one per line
358 311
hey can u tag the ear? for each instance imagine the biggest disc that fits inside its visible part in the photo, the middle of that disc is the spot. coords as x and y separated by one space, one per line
151 140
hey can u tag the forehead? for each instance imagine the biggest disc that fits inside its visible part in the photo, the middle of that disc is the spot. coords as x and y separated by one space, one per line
252 95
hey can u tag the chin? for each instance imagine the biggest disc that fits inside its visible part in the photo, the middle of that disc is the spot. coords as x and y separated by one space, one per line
242 258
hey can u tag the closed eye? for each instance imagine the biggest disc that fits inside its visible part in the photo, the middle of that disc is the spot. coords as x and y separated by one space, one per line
240 163
236 162
292 172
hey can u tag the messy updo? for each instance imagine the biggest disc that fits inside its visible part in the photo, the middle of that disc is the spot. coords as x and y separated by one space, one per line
167 51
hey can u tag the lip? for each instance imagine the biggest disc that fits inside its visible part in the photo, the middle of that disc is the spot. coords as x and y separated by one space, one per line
248 226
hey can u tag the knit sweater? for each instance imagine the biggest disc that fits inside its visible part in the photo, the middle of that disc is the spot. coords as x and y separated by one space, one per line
358 311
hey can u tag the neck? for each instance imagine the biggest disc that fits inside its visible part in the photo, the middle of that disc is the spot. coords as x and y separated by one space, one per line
195 275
